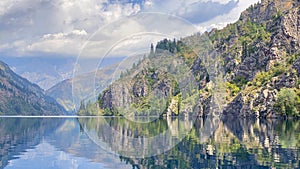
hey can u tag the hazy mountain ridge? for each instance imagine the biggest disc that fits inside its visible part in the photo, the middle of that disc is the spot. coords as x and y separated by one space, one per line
21 97
260 56
45 71
82 86
70 92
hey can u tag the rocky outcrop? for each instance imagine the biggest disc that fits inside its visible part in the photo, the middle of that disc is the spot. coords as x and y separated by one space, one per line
138 91
288 80
282 22
296 66
257 104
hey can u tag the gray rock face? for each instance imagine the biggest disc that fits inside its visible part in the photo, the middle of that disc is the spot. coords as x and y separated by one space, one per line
252 64
235 107
136 90
288 80
265 102
282 19
200 71
296 66
259 105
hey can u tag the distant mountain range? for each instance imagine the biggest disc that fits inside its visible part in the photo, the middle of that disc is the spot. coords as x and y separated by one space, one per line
47 71
84 87
69 93
18 96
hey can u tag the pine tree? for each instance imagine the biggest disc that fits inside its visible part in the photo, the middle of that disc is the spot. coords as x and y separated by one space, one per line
151 51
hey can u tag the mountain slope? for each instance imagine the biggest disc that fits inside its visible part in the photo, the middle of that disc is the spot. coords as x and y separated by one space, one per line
83 87
69 93
20 97
258 56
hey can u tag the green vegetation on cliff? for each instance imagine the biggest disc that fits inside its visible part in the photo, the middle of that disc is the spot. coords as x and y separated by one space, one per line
288 102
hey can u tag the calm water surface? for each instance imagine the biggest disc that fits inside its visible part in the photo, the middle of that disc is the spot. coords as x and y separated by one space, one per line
93 143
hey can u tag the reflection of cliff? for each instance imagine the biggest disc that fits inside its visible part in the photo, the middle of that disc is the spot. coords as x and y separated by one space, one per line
272 141
136 139
241 143
19 134
238 143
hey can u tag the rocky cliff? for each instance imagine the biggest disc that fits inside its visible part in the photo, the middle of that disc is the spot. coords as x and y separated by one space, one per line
146 89
268 61
257 57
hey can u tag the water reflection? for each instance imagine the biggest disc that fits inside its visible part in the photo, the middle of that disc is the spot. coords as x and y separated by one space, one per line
88 143
242 143
132 139
50 143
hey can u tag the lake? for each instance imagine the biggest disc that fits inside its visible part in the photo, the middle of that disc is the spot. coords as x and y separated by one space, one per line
117 142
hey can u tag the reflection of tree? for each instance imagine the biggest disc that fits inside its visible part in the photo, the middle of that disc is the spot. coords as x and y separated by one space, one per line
120 124
261 138
288 132
130 138
236 143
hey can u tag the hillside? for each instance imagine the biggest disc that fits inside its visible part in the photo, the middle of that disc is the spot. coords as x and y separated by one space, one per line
69 93
83 87
20 97
257 59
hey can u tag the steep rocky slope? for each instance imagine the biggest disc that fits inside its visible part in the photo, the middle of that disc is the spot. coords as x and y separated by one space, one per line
20 97
265 65
257 57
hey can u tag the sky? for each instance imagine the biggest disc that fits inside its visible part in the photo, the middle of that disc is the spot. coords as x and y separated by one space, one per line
93 28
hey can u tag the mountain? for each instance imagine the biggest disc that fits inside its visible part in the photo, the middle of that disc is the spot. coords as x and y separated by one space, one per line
82 87
47 71
249 68
20 97
69 93
44 71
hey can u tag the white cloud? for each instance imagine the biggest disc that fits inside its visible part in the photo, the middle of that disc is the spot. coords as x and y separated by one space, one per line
222 20
136 33
116 11
63 26
205 14
47 26
74 33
